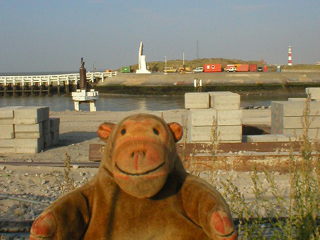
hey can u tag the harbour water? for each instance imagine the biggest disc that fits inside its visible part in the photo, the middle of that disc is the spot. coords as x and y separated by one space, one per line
130 103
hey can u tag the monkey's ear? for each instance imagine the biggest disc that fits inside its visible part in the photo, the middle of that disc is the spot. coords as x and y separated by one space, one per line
176 130
104 130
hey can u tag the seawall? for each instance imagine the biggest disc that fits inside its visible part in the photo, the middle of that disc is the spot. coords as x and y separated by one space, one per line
176 83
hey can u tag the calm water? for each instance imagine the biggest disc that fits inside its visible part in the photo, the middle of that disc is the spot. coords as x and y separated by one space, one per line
129 103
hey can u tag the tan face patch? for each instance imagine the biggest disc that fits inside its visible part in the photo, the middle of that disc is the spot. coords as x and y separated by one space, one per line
139 158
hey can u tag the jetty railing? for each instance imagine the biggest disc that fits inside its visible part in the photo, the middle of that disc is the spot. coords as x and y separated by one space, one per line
59 78
44 84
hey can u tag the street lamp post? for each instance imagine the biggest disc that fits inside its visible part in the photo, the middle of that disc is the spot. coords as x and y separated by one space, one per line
165 64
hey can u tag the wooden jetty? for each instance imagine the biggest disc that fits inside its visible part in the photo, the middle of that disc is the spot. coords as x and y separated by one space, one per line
44 84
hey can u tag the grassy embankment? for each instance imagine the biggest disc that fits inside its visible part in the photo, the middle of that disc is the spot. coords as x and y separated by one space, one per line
158 66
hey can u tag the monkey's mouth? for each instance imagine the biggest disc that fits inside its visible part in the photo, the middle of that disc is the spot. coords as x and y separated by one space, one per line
142 173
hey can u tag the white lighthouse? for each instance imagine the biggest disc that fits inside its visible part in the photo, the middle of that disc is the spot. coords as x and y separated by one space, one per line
289 57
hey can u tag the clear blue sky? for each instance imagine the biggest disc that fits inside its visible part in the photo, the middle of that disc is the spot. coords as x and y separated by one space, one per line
43 35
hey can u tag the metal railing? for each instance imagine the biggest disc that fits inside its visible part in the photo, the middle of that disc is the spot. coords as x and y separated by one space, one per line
60 78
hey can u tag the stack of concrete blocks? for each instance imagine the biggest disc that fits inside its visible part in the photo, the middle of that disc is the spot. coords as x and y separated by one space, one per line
27 129
7 130
287 118
213 116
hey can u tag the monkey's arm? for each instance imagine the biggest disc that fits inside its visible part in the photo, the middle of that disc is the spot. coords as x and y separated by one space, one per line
66 218
205 206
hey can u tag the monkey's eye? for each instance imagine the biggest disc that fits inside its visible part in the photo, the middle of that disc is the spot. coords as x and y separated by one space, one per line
155 131
123 131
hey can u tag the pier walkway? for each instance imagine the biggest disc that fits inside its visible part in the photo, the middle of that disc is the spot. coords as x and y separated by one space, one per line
44 83
60 78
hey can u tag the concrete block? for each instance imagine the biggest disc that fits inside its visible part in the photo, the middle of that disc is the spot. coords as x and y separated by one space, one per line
275 108
8 112
5 143
31 115
7 150
26 131
229 117
55 138
27 150
205 134
202 117
293 108
47 141
28 135
46 127
296 122
275 120
6 131
199 134
284 138
54 124
274 127
224 100
196 100
296 99
262 138
313 134
20 128
6 121
314 92
229 133
29 143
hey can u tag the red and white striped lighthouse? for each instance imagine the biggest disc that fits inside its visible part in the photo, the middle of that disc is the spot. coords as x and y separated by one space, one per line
289 57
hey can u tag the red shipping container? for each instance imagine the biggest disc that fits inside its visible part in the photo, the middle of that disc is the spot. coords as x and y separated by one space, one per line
253 67
243 68
212 67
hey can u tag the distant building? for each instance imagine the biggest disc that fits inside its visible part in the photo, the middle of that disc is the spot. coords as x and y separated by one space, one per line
289 57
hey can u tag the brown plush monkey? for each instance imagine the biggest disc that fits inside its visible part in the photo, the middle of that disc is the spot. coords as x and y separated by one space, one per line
141 191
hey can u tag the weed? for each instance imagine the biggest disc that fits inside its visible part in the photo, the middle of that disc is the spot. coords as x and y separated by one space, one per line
290 216
67 184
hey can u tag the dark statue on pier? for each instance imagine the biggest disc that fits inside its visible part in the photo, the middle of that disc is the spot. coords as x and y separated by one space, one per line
83 77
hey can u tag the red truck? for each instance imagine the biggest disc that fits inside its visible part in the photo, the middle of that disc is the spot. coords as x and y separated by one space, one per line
230 68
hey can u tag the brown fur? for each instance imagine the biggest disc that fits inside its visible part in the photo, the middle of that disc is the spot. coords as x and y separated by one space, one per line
141 191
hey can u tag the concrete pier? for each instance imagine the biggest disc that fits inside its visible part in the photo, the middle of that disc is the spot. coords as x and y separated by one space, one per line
213 79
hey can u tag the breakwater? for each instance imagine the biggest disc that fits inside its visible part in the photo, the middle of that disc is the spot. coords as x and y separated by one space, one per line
178 84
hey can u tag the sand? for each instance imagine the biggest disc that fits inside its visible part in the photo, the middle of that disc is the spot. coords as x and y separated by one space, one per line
77 132
79 129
